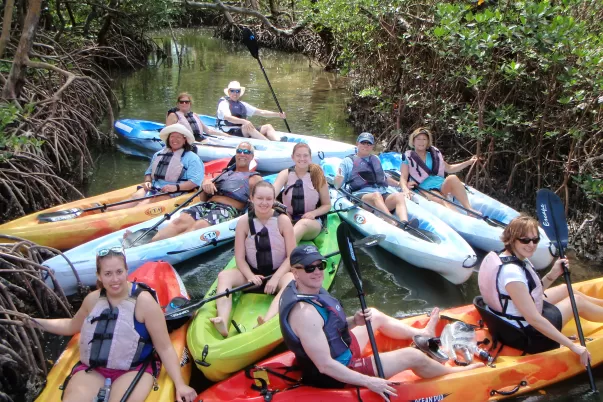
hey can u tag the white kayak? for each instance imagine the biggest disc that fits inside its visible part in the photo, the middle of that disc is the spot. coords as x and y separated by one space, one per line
141 138
476 231
171 250
449 254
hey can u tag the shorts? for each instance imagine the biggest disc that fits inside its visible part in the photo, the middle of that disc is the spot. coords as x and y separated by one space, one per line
212 212
360 193
114 374
238 133
154 191
538 342
362 365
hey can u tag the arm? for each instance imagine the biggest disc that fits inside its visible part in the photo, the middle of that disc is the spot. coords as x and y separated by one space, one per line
241 232
212 131
194 174
148 179
268 113
253 181
554 273
342 174
154 321
325 204
171 119
286 229
457 167
69 326
281 180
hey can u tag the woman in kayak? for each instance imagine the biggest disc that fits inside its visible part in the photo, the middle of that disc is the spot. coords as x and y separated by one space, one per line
263 241
305 193
183 114
515 296
139 326
425 167
173 170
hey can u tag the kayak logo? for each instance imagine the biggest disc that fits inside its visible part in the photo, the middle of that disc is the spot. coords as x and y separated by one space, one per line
435 398
545 218
209 236
154 211
359 219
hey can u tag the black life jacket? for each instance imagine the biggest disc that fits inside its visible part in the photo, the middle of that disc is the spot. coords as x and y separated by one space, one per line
237 109
366 173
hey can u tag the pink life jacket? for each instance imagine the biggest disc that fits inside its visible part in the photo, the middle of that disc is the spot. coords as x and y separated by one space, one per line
109 338
265 249
487 279
418 170
299 195
193 123
168 166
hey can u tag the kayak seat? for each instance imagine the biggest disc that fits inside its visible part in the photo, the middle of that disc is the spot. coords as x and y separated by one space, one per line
501 330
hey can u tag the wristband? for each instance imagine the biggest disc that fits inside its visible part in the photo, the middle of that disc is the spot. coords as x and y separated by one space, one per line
177 187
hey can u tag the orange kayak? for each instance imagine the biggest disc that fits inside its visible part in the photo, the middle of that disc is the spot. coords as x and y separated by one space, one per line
512 375
66 234
162 277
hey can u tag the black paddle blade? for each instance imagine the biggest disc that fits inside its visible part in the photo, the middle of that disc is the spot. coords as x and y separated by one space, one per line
251 42
370 241
348 255
129 239
173 319
551 214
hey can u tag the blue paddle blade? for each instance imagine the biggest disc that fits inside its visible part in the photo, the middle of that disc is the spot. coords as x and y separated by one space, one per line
551 214
348 255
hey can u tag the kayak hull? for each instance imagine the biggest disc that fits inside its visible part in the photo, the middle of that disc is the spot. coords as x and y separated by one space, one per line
167 283
228 355
513 374
69 233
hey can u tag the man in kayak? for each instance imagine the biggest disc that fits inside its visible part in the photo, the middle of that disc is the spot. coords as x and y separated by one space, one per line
232 115
328 345
363 176
224 199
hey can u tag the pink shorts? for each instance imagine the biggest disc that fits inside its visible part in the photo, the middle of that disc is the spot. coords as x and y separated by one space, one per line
114 374
362 365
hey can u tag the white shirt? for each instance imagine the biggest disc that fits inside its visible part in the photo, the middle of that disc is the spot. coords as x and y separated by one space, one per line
512 273
224 111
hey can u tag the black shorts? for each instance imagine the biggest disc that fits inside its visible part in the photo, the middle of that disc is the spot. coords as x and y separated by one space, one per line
538 342
238 133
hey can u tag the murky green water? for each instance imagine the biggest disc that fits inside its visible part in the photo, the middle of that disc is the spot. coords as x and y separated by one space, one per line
315 103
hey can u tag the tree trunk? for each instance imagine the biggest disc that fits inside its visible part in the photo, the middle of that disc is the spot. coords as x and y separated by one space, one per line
16 77
6 24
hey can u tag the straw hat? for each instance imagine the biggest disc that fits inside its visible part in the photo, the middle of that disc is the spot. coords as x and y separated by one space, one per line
418 131
234 85
176 128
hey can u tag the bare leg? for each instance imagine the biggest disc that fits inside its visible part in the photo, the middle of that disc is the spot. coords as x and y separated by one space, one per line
397 201
376 200
137 194
250 132
270 132
306 229
226 280
180 225
200 224
273 309
140 392
558 293
83 386
586 309
452 185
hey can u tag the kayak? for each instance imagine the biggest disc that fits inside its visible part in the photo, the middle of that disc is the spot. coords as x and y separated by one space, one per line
70 229
141 138
167 283
218 357
477 232
448 254
512 375
82 259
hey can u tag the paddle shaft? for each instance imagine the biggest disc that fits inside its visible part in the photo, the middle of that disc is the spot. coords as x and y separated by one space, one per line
272 90
136 379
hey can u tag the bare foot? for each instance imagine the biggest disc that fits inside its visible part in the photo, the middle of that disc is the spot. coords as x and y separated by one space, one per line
472 366
126 234
220 326
260 320
434 318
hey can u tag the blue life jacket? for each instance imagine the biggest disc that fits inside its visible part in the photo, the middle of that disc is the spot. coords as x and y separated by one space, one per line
235 185
237 109
366 174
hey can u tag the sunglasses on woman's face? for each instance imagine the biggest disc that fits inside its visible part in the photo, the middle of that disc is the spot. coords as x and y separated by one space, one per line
244 151
527 240
313 267
184 101
113 250
235 91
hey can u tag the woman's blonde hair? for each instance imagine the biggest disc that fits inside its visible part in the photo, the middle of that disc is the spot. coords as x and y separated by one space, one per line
517 228
419 131
181 94
316 174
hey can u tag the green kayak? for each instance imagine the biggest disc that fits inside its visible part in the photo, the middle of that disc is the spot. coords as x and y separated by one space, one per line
218 357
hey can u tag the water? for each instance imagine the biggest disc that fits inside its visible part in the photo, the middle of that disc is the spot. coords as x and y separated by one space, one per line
315 102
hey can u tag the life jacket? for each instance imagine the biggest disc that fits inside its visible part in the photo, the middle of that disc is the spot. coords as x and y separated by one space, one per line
299 195
418 170
191 121
237 109
366 173
487 279
235 185
108 337
168 166
335 327
265 249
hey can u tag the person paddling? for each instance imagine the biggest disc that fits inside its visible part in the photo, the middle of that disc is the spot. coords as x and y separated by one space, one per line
174 169
363 175
136 319
305 193
183 114
232 115
328 345
263 241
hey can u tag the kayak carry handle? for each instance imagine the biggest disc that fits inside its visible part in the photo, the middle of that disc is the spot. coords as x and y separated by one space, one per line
510 392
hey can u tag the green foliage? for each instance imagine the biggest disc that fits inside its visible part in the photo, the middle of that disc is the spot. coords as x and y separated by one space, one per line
10 143
592 187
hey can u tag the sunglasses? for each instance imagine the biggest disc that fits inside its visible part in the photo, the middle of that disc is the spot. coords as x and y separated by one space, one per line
366 143
244 151
527 240
235 91
113 250
184 101
311 268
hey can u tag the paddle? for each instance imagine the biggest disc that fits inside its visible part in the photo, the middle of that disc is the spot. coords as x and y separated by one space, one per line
551 214
185 203
179 304
491 221
252 44
73 213
348 256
